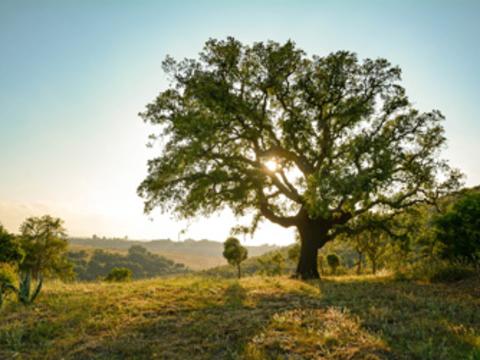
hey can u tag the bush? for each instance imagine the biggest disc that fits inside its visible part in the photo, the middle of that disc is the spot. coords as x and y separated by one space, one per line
452 273
7 282
7 274
401 276
341 270
10 251
272 265
459 230
333 261
119 274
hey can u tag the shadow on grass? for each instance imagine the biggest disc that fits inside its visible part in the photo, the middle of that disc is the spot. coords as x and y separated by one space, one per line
293 324
347 319
417 321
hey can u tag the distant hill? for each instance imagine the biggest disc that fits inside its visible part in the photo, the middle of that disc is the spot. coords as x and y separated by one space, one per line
196 255
94 264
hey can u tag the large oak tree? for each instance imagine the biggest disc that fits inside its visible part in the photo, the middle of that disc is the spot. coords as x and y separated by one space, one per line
303 141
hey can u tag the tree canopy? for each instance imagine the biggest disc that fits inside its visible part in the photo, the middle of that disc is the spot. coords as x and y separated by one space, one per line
304 141
458 229
10 251
44 241
235 253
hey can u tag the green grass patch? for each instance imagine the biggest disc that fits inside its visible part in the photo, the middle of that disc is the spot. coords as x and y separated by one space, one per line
254 318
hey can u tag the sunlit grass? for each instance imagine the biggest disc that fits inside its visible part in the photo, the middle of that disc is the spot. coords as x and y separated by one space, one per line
254 318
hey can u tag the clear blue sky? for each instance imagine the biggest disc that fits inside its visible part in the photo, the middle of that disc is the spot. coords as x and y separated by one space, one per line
74 75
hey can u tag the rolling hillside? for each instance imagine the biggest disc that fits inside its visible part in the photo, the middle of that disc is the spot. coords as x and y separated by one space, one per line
196 255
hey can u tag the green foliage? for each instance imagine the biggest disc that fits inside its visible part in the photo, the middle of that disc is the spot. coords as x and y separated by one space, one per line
235 253
452 272
272 265
238 104
7 282
341 133
44 241
138 259
333 261
372 243
257 265
25 294
459 229
294 252
10 251
119 274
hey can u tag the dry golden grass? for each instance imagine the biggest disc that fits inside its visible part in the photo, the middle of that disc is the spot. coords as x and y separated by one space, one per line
256 318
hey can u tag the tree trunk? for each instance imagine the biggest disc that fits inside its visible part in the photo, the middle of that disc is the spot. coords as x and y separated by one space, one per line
239 271
311 235
359 264
374 266
307 264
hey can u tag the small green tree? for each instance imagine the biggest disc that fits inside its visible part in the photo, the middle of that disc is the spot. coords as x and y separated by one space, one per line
459 229
235 253
119 274
374 244
44 241
333 261
358 245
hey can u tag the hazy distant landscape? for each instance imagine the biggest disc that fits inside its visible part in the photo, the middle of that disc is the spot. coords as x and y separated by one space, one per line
195 254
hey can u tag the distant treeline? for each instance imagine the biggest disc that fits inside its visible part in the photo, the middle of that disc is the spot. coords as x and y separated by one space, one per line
283 261
200 247
436 243
143 264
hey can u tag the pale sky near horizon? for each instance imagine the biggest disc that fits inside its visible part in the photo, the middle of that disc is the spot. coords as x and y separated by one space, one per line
74 75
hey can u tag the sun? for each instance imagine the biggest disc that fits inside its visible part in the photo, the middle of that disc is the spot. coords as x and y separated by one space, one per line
271 165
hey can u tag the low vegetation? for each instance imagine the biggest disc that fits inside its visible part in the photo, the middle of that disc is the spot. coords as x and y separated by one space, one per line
347 317
119 275
38 252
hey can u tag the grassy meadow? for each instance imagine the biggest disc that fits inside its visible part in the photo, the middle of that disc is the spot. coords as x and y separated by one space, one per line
348 317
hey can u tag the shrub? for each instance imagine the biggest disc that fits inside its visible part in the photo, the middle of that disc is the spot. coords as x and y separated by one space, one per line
10 251
333 261
7 282
119 274
272 265
341 270
401 276
459 230
452 273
